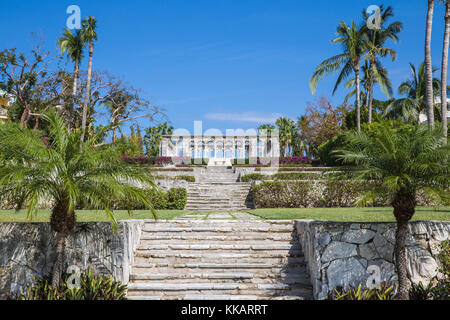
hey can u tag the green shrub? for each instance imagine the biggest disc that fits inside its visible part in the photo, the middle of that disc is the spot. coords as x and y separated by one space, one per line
176 199
254 177
91 288
326 149
285 176
282 194
297 176
341 195
383 293
180 177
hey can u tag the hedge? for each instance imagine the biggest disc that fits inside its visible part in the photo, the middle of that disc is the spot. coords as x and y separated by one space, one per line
174 199
281 176
180 177
319 194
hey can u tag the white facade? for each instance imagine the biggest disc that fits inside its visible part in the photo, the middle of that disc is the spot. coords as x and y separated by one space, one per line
221 150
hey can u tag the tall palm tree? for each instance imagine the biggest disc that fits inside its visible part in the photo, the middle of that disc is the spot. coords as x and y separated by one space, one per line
62 170
379 76
410 107
89 35
428 66
287 130
444 107
353 46
399 163
73 45
376 40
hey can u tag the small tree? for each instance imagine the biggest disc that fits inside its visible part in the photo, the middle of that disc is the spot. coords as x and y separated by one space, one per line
400 163
66 171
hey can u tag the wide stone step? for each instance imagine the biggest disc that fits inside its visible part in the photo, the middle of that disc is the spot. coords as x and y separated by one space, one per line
257 275
219 229
240 277
149 236
182 291
194 267
220 246
185 259
161 286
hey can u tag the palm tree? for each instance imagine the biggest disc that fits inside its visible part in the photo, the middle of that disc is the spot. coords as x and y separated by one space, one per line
89 35
444 108
376 40
428 66
73 45
410 107
61 169
287 130
352 40
266 128
399 163
379 76
153 137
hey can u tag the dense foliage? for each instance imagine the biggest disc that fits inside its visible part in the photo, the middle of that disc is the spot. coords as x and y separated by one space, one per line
322 194
92 287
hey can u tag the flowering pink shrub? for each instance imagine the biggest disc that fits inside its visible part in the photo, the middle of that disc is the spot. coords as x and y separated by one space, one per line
295 160
148 160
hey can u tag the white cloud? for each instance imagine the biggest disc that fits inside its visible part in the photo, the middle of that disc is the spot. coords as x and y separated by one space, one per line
254 117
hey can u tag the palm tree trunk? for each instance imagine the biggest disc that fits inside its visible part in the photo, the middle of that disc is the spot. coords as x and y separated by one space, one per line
59 262
74 93
358 98
87 93
428 65
444 107
370 91
404 204
400 260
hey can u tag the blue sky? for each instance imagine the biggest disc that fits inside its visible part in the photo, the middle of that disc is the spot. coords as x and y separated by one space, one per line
230 63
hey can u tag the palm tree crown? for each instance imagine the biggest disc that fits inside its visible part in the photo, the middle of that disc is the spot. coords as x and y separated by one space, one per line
352 40
414 91
72 44
399 163
62 170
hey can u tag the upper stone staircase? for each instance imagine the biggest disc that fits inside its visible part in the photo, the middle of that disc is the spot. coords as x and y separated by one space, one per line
219 260
218 189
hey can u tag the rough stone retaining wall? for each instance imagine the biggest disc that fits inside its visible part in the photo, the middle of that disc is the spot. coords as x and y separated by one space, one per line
170 184
28 249
339 254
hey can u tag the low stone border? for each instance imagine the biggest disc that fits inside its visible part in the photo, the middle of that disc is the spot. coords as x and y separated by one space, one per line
348 254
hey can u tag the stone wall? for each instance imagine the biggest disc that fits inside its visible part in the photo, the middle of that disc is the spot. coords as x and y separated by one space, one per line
28 249
341 254
170 184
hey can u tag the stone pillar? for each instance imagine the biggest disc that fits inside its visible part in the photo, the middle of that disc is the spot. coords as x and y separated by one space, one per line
253 154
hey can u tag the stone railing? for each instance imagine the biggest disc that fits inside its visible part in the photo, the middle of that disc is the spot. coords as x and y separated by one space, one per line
28 249
341 254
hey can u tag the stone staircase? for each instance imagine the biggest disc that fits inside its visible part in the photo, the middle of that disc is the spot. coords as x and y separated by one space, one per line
218 190
212 260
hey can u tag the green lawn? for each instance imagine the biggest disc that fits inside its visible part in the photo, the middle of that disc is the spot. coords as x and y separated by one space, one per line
351 214
324 214
89 215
